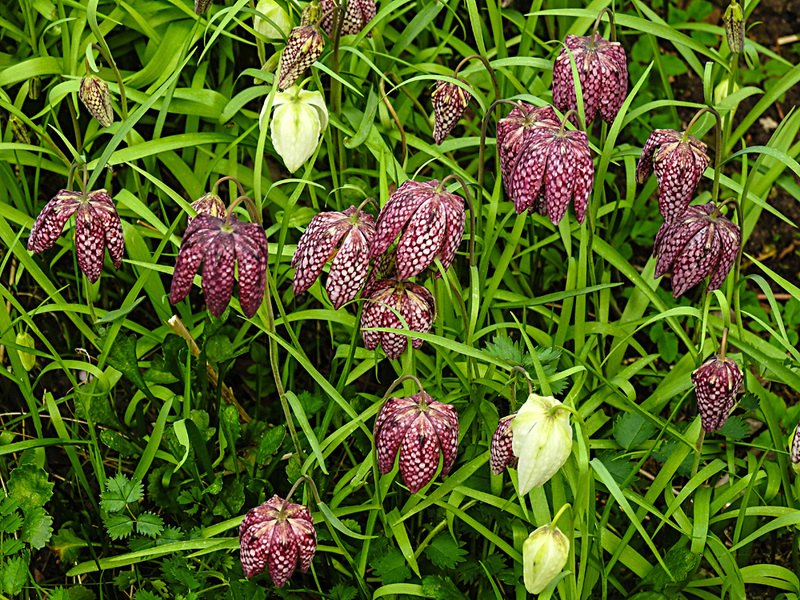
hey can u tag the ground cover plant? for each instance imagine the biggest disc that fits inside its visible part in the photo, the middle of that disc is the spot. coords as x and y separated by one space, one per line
435 298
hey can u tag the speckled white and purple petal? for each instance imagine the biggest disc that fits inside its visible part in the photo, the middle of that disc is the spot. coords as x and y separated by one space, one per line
419 454
349 268
559 178
397 211
218 271
90 244
695 262
500 453
444 419
48 225
423 238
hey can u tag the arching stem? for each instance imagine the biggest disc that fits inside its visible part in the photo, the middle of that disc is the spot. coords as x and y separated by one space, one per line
228 178
723 345
527 378
488 68
568 114
251 208
610 14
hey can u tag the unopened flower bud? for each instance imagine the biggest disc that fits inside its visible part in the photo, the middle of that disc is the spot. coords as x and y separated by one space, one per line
542 440
304 46
201 6
297 121
96 98
34 88
27 359
794 449
18 129
716 382
544 555
279 24
734 27
209 204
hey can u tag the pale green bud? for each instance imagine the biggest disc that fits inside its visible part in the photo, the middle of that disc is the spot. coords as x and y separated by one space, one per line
542 440
544 555
734 27
298 119
27 359
280 25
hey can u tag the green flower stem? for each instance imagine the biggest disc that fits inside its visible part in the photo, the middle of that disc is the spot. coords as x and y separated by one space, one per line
228 178
488 68
717 150
255 215
560 512
610 13
527 379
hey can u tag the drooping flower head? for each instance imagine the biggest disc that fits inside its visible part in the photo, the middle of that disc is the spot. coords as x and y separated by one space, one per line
716 383
603 73
97 227
794 449
208 204
321 241
356 16
304 46
430 222
298 119
220 245
544 166
277 534
701 243
414 303
679 161
501 454
542 440
97 99
419 427
449 103
544 555
279 24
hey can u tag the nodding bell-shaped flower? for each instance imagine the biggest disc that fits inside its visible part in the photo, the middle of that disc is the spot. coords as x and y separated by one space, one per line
356 16
414 303
279 24
278 534
542 440
794 449
544 166
97 99
716 383
298 119
220 245
321 241
679 161
501 454
304 46
449 103
419 427
544 555
97 227
603 73
430 221
701 243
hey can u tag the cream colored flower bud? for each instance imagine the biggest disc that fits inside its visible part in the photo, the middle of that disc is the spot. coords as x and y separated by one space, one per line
544 555
542 440
97 99
27 359
280 25
298 120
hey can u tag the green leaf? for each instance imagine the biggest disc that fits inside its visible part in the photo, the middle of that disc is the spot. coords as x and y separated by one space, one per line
619 467
679 561
14 575
29 486
122 356
121 491
391 566
445 552
631 429
229 425
231 499
504 348
440 588
342 591
270 443
117 441
736 428
67 545
119 525
149 524
37 528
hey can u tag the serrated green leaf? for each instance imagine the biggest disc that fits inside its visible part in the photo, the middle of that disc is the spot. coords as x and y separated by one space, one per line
80 592
736 428
504 348
29 486
67 545
11 520
391 566
631 429
37 528
270 443
440 588
122 356
342 591
445 552
230 499
619 466
149 524
118 526
121 491
14 575
679 561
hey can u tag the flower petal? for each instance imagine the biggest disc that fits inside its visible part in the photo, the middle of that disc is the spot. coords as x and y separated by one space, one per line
423 238
250 243
396 213
48 225
419 455
90 243
560 181
349 269
218 269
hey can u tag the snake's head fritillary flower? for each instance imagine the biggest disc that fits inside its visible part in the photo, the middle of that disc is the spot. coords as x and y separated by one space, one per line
208 204
97 227
603 74
794 449
278 535
304 46
701 243
97 99
201 6
419 427
219 245
430 222
544 555
544 166
716 383
449 103
18 129
678 160
356 16
279 24
542 440
343 236
414 303
298 119
501 454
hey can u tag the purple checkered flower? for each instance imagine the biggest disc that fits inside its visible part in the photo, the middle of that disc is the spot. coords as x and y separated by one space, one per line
430 222
419 427
414 303
97 227
603 72
701 243
219 245
356 16
716 383
544 165
304 46
449 103
794 449
679 161
277 534
321 242
501 454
